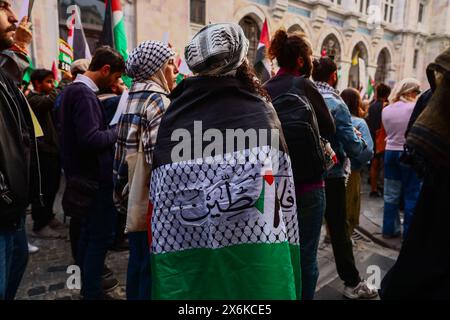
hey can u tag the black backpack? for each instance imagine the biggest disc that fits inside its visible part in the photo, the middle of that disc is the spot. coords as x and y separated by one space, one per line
301 133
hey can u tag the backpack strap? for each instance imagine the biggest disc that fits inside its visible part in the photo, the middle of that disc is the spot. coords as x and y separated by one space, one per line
298 86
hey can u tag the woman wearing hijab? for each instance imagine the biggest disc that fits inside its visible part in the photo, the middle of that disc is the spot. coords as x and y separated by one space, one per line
224 222
152 67
398 178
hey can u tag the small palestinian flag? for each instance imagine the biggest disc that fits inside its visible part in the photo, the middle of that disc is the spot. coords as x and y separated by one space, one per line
77 39
262 63
370 88
183 70
113 33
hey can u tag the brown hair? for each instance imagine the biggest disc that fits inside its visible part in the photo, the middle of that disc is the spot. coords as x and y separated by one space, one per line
353 100
323 69
105 55
287 48
246 74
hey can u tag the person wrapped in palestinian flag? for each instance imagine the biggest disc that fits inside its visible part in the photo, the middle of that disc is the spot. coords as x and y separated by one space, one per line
224 223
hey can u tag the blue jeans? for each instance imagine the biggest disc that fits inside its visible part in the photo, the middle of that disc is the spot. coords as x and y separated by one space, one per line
139 270
97 233
398 178
311 209
13 261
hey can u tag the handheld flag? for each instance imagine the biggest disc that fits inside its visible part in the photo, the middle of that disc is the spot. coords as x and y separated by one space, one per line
355 59
113 33
262 63
370 88
77 39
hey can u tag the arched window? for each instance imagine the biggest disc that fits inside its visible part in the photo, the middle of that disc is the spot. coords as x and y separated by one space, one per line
331 48
383 66
295 28
198 11
356 79
252 32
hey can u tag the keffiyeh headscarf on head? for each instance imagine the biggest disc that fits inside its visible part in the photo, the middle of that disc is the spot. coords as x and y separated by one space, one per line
217 49
147 59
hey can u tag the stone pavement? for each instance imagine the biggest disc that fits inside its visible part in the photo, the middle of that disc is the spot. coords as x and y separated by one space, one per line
45 277
372 250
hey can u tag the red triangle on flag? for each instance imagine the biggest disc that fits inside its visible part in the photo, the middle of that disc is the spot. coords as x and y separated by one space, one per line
115 4
265 36
268 176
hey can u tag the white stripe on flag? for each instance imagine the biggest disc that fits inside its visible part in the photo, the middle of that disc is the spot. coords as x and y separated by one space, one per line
23 11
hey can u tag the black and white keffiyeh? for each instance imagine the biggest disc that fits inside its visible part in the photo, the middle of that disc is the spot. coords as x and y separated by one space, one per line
217 49
146 59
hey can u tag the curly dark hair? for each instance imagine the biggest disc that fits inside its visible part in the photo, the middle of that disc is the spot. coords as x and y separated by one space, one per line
288 47
247 74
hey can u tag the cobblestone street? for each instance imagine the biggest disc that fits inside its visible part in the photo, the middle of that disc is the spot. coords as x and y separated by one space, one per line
46 277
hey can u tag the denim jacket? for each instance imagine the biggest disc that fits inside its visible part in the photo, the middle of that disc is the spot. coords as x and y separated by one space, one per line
344 142
366 155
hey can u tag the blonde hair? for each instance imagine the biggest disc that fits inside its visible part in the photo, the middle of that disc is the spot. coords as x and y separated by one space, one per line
402 88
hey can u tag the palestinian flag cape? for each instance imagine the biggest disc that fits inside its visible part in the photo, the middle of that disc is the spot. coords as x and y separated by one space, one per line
262 63
224 222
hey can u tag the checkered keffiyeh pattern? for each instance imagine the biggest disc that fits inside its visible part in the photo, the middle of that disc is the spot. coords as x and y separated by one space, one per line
146 59
325 88
217 49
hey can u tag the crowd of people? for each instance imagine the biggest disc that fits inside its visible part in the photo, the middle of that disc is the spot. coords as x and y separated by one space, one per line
224 222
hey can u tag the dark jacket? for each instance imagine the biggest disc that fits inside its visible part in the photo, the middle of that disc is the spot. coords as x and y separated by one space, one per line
374 117
110 103
85 142
42 106
418 109
282 83
220 103
17 145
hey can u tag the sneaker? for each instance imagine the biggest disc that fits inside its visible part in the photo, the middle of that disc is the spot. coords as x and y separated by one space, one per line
56 224
106 272
361 291
32 249
46 233
109 285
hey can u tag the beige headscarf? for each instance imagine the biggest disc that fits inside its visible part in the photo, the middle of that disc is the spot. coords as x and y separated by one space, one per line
402 88
159 78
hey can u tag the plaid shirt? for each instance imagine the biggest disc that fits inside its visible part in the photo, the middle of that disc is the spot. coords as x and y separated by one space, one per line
146 105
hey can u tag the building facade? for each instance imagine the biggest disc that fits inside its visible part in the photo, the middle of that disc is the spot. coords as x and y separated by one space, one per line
385 39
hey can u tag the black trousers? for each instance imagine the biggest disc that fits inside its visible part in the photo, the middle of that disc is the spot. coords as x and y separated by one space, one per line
74 233
336 218
50 178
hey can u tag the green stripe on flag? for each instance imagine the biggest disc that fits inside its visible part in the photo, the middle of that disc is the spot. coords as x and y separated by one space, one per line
260 202
269 271
121 45
27 75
